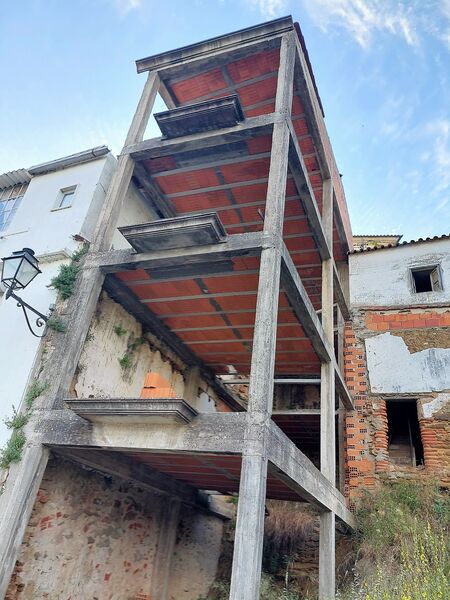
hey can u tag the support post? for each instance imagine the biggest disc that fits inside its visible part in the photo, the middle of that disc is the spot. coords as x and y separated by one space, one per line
170 514
327 408
246 572
341 409
24 478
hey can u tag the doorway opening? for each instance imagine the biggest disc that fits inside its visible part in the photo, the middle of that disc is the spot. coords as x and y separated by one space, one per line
405 443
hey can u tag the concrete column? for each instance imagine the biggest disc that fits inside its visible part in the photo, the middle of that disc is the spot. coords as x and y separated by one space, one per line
170 514
248 542
327 408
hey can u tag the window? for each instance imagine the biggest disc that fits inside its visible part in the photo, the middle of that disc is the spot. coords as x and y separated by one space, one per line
427 279
10 200
405 443
65 197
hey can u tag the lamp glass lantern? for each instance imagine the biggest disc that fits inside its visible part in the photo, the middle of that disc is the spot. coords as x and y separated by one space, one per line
20 269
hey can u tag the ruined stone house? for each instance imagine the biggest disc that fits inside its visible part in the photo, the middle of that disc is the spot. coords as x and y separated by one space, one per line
215 355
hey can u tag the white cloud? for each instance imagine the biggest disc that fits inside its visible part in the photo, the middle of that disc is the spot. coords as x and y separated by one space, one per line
126 6
270 8
439 157
364 18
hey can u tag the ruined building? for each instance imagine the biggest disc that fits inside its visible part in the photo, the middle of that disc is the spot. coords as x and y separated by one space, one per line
212 354
397 362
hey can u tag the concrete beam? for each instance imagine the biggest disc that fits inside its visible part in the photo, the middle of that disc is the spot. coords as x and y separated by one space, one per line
215 433
304 310
156 147
210 48
301 178
240 244
290 465
209 432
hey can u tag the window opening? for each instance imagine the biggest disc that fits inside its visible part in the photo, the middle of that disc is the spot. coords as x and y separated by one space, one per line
427 279
405 443
10 200
66 196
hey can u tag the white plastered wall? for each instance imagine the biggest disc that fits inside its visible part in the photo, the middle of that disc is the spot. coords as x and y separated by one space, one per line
50 234
383 278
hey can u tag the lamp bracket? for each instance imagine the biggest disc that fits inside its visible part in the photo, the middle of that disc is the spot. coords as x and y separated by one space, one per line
41 319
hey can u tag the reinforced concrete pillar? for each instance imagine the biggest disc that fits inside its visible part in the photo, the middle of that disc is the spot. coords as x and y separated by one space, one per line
327 582
248 542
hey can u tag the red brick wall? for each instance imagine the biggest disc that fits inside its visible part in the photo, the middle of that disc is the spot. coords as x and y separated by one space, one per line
366 437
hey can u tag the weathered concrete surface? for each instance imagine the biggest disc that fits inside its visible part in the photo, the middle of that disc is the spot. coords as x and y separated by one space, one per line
393 369
196 555
108 531
100 375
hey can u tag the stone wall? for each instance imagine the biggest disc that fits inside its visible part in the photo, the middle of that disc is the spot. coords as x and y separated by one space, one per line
395 354
96 537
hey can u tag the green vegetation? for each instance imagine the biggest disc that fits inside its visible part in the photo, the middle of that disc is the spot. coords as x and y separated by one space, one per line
119 330
269 591
66 279
57 324
402 549
12 452
126 361
17 421
34 391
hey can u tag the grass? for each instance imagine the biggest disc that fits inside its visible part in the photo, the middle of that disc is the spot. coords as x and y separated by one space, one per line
286 529
34 391
269 590
12 452
402 544
18 420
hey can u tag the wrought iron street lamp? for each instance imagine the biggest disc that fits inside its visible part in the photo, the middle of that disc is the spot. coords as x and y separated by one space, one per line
19 270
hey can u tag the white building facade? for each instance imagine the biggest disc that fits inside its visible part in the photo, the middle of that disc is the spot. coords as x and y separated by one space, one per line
51 208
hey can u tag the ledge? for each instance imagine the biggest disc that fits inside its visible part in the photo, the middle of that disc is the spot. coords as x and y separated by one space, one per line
175 233
133 410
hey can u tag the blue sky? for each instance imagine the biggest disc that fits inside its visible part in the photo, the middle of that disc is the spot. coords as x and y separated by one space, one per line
382 69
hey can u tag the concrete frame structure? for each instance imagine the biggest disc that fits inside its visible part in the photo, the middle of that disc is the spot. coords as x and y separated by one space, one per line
264 448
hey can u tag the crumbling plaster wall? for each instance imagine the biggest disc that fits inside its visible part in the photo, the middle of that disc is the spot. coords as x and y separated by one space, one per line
382 277
114 334
391 354
107 530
